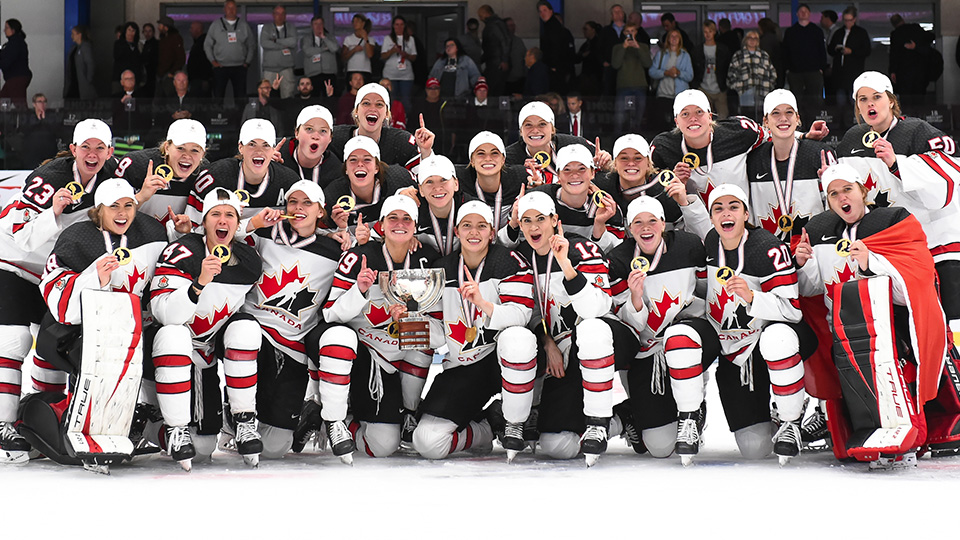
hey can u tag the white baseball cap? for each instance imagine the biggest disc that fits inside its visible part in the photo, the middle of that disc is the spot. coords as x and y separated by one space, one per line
690 97
258 128
91 128
314 111
475 207
840 171
641 204
372 88
435 165
779 97
872 79
399 202
219 196
726 189
485 137
537 108
536 200
631 140
112 190
185 131
361 142
313 191
574 153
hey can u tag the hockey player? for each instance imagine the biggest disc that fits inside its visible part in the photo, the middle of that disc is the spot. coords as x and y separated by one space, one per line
486 305
371 117
298 268
852 242
439 200
357 353
56 195
309 154
571 291
752 304
657 278
488 175
180 157
199 287
258 181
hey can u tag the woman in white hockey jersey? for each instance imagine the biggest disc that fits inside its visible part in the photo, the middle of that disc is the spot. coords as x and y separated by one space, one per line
200 285
298 269
485 307
752 304
357 352
578 334
657 278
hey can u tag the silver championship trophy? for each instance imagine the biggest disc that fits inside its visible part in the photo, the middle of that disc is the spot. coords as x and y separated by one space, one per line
418 289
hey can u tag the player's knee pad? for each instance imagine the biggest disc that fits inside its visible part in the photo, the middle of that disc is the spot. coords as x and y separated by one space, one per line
432 437
344 336
276 441
172 339
563 445
204 445
516 344
15 342
778 341
660 441
243 335
594 339
755 442
382 439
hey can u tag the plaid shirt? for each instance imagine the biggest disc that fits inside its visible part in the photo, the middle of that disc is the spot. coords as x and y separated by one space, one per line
752 71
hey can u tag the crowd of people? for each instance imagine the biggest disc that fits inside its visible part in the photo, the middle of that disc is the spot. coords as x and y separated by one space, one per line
752 245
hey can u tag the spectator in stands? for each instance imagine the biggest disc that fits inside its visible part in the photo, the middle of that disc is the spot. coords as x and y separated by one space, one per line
470 42
306 95
538 75
230 46
199 69
711 61
751 75
556 46
279 43
150 56
673 69
319 55
483 113
346 103
850 47
39 128
496 50
126 52
398 112
632 59
805 58
770 42
182 104
669 23
574 121
590 56
15 63
171 56
728 36
456 72
263 108
398 54
909 48
130 114
518 66
828 23
78 83
421 66
609 37
358 47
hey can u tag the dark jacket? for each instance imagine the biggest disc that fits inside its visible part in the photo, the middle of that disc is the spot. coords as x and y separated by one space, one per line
699 58
803 49
846 68
496 42
170 54
556 42
126 57
198 66
14 61
538 80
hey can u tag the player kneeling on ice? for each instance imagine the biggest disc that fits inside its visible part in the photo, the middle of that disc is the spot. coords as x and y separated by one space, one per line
92 285
861 259
360 342
199 287
571 291
657 280
485 307
752 304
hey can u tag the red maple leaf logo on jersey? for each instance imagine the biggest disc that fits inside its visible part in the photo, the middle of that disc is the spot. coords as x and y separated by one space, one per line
458 332
132 279
659 311
772 220
869 183
716 309
377 315
272 284
705 194
202 325
843 276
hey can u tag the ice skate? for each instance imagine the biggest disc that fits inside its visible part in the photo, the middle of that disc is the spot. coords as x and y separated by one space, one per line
407 429
143 414
629 431
814 433
341 441
594 440
180 446
247 438
531 433
688 437
309 427
512 440
891 462
13 447
786 442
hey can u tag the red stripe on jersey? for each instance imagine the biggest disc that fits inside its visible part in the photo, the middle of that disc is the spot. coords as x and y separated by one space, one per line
173 388
701 274
619 287
171 360
779 281
788 390
598 387
411 369
48 387
413 162
341 283
34 274
786 363
290 344
171 271
736 353
314 374
469 441
795 302
616 231
598 363
519 366
522 300
10 363
339 352
436 315
681 374
516 388
17 226
195 202
952 247
10 389
453 442
943 174
674 343
157 292
240 354
43 364
520 278
242 382
65 297
592 268
332 378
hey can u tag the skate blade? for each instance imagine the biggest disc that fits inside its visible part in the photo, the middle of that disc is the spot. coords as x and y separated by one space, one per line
347 459
784 460
14 456
686 460
591 459
894 463
252 460
95 468
511 455
186 464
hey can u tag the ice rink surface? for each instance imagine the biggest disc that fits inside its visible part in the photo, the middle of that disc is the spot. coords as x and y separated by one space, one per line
313 495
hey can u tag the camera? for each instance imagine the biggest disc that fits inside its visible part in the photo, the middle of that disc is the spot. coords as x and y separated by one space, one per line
629 37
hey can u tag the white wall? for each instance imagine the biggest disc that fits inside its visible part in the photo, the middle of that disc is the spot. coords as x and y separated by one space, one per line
43 23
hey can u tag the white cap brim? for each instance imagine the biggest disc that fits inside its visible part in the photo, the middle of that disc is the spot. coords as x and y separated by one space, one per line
314 111
402 203
372 88
726 189
112 190
486 137
634 141
475 207
212 200
537 108
361 142
873 80
313 191
258 128
436 165
185 131
92 128
536 200
574 153
690 97
642 204
779 97
840 171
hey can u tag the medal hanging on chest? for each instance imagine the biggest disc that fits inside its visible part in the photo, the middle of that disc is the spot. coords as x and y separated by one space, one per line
543 294
470 311
724 273
784 192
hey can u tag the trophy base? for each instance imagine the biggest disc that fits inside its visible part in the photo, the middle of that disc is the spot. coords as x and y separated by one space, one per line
414 333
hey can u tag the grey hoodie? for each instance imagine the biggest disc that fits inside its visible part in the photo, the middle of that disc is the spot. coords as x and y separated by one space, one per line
275 43
220 48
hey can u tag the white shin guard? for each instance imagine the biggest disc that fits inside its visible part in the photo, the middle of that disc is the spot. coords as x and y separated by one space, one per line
338 350
595 344
517 351
241 341
780 348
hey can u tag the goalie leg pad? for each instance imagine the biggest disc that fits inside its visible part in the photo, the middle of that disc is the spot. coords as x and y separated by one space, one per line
517 351
335 354
41 425
594 348
780 348
15 343
943 413
173 365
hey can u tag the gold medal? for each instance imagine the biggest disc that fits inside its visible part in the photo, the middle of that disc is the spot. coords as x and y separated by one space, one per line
244 197
785 223
286 216
724 274
598 196
641 264
542 159
347 203
869 138
691 159
543 322
843 247
164 171
221 252
123 255
393 330
665 177
76 190
471 334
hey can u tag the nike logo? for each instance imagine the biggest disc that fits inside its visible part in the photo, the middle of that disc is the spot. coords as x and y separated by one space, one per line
827 238
759 176
858 150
